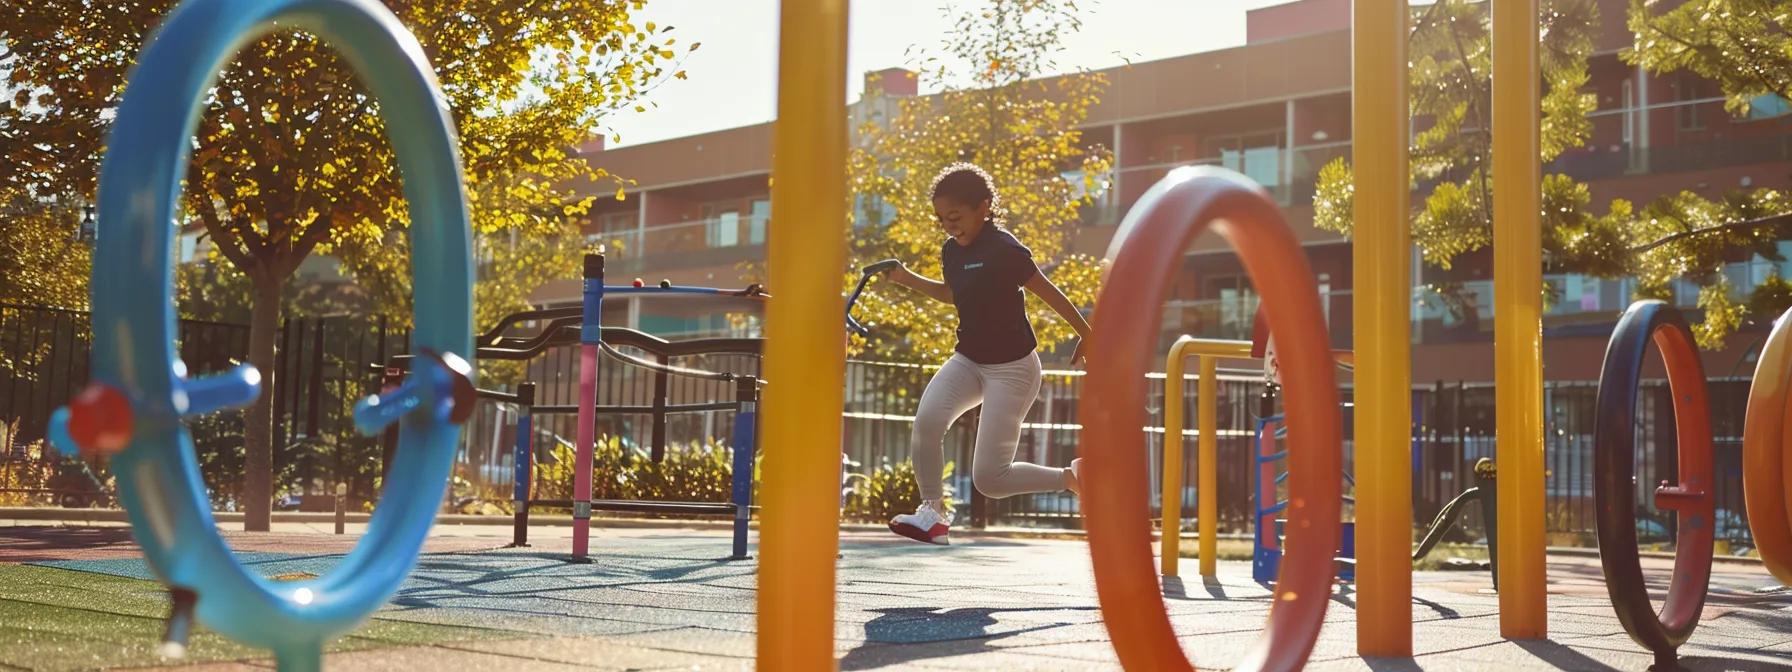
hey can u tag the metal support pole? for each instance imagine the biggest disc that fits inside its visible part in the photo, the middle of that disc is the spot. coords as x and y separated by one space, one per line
389 381
1170 494
590 335
1382 261
799 537
525 461
1518 316
657 450
746 391
1486 479
341 507
1207 460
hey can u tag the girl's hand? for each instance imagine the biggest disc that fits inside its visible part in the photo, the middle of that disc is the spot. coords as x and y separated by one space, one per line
1079 356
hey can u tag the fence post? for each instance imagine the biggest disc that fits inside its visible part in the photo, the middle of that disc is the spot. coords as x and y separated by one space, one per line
658 448
525 459
341 506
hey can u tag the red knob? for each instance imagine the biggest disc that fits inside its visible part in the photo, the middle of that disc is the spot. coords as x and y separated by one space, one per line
99 419
640 283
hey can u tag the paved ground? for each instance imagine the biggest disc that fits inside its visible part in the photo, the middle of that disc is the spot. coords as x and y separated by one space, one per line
659 599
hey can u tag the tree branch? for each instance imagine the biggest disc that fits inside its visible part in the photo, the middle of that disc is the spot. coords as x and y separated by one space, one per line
1782 219
225 236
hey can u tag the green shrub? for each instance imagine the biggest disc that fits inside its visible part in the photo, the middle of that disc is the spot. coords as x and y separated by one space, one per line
688 473
701 473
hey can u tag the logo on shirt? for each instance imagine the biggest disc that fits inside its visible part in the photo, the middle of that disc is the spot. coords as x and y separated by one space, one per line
975 265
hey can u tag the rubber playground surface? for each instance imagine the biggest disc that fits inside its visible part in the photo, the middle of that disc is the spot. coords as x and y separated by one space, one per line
658 599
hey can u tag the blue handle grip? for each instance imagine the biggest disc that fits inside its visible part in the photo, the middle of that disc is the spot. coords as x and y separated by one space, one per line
379 411
441 383
58 432
233 389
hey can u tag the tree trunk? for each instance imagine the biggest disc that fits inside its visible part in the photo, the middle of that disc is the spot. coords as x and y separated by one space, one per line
258 425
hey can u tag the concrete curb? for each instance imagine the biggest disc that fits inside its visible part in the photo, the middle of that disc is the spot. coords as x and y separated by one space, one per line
91 516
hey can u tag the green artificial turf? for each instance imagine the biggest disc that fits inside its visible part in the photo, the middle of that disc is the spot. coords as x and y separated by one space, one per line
56 619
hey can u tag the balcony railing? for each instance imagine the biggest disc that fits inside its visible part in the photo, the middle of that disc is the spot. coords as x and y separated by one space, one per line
1288 175
706 242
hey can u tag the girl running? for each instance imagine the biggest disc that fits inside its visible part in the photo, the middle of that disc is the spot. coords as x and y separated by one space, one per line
995 364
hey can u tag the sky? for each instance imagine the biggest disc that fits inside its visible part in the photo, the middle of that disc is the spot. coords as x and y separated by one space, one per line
733 75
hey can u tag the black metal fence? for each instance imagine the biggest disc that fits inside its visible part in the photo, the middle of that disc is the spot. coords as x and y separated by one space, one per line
318 374
323 367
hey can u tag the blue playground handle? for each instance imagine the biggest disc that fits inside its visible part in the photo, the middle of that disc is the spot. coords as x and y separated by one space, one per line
234 389
134 320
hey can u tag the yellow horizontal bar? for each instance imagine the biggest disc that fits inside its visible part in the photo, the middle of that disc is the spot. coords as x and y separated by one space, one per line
1188 346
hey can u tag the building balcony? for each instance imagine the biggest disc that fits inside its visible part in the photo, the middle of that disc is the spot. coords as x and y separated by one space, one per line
702 243
1625 159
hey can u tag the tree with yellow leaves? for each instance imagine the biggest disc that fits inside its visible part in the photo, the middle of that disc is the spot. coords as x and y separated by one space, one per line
290 156
994 110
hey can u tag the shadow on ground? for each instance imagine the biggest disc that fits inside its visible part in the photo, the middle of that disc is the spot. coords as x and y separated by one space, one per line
952 632
39 544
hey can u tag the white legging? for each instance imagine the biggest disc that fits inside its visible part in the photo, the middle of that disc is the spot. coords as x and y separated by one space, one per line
1006 391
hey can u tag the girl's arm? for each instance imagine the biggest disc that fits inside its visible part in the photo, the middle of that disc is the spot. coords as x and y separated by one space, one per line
939 291
1043 288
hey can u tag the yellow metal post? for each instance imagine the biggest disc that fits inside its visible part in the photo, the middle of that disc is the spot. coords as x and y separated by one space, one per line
804 354
1171 536
1207 460
1518 321
1206 469
1381 253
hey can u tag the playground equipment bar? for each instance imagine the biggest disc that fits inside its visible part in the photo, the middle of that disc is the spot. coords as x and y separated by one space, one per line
1518 323
563 409
739 506
1209 351
800 528
1767 456
1381 258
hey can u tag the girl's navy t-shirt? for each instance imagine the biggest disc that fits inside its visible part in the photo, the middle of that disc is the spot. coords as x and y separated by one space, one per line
986 278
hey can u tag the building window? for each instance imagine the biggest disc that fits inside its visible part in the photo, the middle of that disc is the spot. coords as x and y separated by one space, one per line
726 230
1257 155
762 215
618 232
1768 106
1688 116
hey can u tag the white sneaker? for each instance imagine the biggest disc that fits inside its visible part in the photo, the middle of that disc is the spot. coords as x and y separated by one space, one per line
926 524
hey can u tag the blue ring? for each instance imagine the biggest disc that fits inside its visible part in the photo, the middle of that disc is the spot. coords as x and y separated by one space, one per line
134 320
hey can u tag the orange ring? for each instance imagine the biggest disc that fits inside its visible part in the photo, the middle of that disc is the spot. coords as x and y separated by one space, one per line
1144 258
1766 467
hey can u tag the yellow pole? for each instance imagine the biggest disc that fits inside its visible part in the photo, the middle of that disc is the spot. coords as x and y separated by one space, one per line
1380 255
1171 537
1210 350
1207 461
1518 318
805 358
